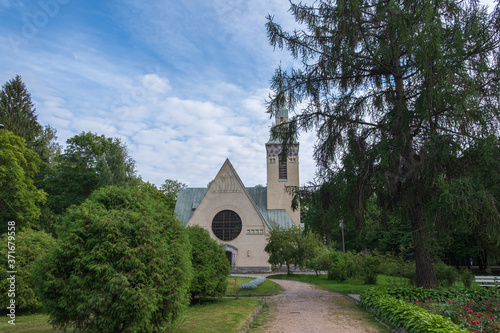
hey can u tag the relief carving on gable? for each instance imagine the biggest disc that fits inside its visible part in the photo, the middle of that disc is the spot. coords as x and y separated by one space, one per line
227 183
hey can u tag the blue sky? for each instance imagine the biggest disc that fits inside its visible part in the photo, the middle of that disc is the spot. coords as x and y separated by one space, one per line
182 83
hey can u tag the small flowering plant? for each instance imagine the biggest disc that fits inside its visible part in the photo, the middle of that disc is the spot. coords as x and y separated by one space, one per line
475 315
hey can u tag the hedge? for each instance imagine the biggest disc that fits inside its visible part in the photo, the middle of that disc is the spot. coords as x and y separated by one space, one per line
411 318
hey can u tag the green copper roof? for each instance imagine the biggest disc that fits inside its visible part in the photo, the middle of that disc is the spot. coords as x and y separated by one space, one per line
189 199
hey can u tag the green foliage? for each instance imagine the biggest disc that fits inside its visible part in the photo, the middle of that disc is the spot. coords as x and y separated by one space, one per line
344 266
171 189
466 277
30 245
291 247
446 275
210 265
19 198
408 316
339 266
89 162
397 92
284 248
121 263
370 268
320 261
17 112
397 266
413 294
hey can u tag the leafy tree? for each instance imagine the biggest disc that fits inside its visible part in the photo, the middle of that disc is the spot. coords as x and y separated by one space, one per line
30 245
320 261
121 264
395 90
210 265
18 196
291 247
90 161
171 189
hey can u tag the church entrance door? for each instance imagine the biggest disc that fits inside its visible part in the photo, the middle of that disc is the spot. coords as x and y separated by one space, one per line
229 256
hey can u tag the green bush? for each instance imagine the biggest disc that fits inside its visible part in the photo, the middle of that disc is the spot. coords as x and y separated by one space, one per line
396 266
445 274
339 266
442 294
370 268
121 264
412 318
29 245
467 277
210 265
321 260
353 263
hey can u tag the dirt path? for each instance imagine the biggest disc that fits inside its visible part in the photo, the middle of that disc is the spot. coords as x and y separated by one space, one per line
306 309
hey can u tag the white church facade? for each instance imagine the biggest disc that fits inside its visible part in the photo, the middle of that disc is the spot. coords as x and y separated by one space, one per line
241 217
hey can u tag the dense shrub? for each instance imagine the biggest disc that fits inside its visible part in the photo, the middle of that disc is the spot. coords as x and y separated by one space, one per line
210 265
370 268
339 266
321 260
466 276
121 264
397 266
410 317
441 294
445 274
29 245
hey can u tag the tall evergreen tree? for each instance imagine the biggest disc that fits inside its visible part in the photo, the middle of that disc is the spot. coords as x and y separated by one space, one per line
397 89
17 111
17 114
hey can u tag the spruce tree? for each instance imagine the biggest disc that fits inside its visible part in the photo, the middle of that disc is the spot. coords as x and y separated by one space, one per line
17 111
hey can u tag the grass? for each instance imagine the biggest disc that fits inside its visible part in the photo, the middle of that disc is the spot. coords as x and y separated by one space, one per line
29 323
216 315
352 286
224 315
221 315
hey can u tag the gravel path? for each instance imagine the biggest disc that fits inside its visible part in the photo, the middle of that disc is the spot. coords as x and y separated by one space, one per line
306 309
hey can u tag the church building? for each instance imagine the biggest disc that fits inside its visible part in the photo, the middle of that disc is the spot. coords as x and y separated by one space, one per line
241 217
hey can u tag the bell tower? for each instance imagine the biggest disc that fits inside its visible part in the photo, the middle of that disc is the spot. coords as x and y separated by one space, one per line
282 171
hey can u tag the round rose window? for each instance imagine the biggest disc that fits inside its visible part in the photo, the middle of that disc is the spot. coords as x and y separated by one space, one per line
226 225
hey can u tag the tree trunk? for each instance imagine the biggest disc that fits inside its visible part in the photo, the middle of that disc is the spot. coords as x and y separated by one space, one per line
426 278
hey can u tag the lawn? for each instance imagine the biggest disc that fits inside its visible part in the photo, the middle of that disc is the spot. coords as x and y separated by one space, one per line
351 286
215 315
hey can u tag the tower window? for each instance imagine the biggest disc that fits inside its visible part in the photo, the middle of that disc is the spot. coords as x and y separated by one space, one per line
282 168
226 225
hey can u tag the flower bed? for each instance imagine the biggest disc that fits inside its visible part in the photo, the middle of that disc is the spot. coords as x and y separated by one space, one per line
250 285
475 315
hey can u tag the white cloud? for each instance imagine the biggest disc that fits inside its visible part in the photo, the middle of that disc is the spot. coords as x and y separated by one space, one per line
180 116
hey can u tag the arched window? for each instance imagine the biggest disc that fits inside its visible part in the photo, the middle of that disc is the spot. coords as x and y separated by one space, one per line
226 225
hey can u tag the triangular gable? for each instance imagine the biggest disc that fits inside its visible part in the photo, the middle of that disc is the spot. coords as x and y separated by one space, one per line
228 181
